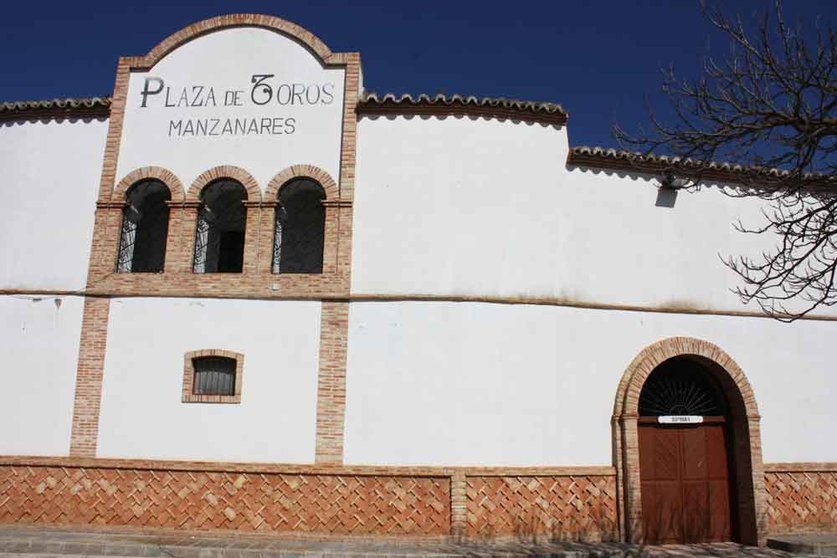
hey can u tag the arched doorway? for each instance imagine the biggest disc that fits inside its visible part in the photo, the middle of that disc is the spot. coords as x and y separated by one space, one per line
684 456
727 440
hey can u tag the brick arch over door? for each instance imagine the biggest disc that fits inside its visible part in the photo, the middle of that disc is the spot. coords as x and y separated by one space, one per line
254 194
146 173
748 475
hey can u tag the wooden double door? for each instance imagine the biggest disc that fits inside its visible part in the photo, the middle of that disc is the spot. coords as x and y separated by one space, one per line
685 481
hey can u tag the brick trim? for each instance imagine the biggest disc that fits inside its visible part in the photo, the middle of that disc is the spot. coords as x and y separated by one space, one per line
206 26
165 176
567 503
315 468
84 435
458 504
256 281
801 499
331 382
254 193
301 171
824 467
748 473
269 502
189 376
331 206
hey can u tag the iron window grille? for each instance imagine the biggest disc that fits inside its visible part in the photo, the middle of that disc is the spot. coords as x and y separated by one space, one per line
212 376
219 235
145 223
299 231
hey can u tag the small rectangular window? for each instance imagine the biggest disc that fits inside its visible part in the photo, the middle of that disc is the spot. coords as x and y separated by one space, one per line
214 376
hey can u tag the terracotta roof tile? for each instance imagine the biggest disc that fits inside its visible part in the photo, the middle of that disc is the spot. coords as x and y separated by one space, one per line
513 109
599 157
91 107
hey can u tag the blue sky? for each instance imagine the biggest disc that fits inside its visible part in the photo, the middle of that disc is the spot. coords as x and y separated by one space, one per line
600 60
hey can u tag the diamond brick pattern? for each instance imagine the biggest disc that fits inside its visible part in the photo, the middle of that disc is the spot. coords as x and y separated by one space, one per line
568 506
801 501
318 503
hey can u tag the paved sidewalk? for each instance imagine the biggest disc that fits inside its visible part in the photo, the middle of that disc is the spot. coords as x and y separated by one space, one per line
30 542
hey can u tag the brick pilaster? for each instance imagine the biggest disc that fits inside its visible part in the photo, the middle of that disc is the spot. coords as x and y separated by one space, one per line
88 396
331 385
458 505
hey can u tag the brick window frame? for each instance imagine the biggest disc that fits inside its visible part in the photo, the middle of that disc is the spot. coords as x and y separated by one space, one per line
331 233
189 395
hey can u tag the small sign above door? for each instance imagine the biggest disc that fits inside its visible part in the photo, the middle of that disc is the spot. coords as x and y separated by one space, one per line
679 419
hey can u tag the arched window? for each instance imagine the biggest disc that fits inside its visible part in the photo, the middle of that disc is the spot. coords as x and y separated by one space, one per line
680 386
219 239
300 228
145 225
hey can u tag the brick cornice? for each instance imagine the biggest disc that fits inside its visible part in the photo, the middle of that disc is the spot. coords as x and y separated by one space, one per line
811 467
313 468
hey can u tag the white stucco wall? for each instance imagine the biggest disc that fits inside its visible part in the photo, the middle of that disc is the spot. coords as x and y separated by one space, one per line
142 415
50 182
464 206
39 338
225 61
440 383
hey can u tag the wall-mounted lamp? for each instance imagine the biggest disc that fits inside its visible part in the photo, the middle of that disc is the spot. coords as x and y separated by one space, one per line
668 181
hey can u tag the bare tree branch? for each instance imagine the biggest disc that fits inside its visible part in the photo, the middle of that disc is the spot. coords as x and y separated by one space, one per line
770 104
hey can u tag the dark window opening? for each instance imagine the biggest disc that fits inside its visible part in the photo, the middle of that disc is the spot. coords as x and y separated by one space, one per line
145 225
214 376
219 240
299 228
681 386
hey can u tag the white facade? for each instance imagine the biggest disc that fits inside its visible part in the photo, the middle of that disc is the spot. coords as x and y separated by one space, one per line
50 183
497 296
142 413
497 213
39 340
49 188
447 383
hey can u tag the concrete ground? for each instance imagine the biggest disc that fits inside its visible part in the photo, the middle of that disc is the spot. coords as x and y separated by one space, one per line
32 542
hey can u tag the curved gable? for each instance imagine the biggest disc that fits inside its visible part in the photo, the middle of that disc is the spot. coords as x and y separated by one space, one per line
251 91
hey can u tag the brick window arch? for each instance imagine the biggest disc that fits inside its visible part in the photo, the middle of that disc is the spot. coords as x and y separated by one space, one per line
212 376
143 197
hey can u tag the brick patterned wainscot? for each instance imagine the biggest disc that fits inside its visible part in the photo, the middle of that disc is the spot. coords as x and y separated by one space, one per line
247 498
801 498
570 507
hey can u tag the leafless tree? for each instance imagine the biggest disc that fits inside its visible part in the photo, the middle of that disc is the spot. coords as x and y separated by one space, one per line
769 105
